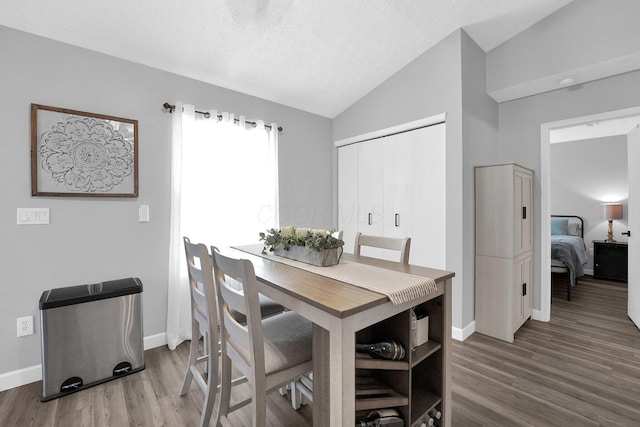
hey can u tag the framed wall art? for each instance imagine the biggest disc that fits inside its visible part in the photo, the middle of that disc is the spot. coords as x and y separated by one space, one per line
74 153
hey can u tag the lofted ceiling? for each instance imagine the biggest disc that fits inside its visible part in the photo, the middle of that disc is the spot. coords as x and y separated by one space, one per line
317 56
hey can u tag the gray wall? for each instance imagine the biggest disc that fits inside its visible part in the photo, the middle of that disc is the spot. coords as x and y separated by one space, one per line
520 122
449 78
584 174
583 39
480 147
91 240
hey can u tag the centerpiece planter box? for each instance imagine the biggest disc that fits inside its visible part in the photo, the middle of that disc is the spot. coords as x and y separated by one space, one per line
321 258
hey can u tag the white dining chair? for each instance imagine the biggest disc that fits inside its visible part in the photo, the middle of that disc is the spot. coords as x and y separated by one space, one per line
402 245
268 352
205 324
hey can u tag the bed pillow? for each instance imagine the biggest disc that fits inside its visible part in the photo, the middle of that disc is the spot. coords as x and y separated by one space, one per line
574 229
559 226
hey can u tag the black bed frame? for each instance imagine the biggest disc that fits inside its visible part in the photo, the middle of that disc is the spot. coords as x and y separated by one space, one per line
581 235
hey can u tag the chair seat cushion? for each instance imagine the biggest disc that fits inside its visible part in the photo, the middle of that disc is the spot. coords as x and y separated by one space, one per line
268 307
287 341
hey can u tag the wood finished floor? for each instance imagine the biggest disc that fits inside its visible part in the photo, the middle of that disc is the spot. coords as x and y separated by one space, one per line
581 369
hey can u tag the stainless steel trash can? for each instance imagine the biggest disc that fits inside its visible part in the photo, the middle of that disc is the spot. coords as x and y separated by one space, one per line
90 334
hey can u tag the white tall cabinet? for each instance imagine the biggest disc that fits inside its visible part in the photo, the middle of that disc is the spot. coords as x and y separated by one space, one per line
395 186
504 249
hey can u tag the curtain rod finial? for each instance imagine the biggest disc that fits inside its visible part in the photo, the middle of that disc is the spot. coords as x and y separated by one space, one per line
169 107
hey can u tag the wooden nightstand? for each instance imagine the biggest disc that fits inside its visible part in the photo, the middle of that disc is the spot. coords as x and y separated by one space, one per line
610 260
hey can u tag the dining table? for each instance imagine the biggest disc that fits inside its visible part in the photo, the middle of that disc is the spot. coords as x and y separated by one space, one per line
338 311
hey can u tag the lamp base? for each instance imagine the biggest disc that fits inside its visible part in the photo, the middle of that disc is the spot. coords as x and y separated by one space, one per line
610 238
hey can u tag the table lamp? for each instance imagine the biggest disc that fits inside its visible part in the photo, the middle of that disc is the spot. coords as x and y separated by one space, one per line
611 211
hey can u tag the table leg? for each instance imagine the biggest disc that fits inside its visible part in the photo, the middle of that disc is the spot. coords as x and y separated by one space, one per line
321 394
333 377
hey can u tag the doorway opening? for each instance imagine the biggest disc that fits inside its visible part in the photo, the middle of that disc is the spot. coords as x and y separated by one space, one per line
619 122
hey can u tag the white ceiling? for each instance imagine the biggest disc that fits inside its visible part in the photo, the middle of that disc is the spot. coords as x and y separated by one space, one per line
317 56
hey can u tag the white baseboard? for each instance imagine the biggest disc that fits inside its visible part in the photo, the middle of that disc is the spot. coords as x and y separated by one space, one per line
154 341
464 333
32 374
537 315
20 377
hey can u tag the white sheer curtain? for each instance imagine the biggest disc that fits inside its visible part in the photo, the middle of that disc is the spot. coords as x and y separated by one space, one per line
224 191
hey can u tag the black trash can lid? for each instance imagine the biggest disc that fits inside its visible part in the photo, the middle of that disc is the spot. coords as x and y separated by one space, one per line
59 297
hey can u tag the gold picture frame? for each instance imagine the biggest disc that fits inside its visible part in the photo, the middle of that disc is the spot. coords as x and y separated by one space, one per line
80 154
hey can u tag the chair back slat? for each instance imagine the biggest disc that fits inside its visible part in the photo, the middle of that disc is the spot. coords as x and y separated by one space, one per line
237 336
196 274
231 292
402 245
202 287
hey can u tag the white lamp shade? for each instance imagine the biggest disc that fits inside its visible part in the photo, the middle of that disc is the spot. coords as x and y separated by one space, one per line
611 211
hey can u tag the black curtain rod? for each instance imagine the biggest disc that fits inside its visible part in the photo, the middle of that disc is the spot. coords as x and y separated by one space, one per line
171 108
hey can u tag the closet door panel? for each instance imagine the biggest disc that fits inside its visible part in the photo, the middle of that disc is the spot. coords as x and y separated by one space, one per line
517 306
527 300
518 213
348 194
495 211
371 191
398 185
428 159
527 203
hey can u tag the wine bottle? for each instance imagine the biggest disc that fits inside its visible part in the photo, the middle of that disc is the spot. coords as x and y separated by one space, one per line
389 349
434 413
427 422
381 417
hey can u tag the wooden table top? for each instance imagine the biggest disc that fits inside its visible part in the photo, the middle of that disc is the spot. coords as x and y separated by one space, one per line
332 296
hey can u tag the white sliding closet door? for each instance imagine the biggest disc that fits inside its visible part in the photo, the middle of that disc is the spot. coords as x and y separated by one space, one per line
398 186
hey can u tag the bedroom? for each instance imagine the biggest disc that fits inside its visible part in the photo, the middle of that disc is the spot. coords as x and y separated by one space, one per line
482 131
586 171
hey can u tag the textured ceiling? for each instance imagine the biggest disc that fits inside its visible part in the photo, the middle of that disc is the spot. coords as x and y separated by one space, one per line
319 56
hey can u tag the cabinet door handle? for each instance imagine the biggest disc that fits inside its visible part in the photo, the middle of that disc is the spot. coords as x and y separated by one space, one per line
524 212
397 220
524 289
369 218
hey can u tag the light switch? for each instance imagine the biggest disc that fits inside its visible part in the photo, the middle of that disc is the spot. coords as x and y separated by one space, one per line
30 216
143 213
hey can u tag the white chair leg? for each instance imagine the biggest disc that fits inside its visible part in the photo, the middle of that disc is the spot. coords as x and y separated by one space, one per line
296 396
193 357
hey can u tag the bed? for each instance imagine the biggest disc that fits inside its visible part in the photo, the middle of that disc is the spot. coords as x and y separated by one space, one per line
568 251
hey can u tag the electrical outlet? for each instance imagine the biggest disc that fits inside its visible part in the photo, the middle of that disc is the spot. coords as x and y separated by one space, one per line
25 326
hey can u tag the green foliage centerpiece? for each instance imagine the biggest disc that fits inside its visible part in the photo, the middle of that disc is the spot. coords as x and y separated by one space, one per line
312 246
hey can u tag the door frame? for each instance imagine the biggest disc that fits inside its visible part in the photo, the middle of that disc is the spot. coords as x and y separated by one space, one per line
544 251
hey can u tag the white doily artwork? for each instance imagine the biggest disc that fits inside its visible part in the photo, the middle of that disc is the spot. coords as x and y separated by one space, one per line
84 155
